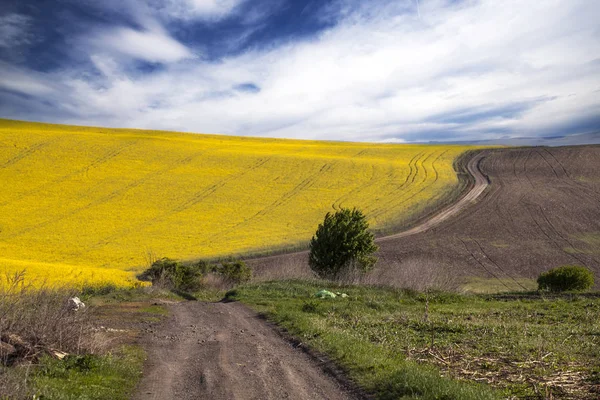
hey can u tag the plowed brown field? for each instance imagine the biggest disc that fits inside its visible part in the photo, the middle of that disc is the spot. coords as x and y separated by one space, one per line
540 210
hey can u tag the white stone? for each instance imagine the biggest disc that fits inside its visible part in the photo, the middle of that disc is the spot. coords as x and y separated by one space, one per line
76 304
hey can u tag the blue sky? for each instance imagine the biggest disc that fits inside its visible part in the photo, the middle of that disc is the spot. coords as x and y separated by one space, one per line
375 70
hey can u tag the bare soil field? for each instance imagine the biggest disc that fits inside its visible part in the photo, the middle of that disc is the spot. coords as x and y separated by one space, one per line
540 210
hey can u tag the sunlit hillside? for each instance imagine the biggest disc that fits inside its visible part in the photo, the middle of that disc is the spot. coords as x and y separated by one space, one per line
90 203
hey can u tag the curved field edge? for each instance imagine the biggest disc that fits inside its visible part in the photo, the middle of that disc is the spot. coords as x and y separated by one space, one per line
117 198
465 182
446 200
405 344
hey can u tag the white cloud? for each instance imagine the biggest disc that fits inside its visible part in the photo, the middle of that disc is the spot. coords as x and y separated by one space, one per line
15 30
381 74
152 46
24 81
213 7
197 9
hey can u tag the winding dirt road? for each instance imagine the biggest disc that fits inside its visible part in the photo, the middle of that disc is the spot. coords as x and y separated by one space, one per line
226 351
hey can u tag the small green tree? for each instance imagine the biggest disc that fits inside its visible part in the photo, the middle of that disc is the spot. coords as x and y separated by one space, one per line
568 277
342 241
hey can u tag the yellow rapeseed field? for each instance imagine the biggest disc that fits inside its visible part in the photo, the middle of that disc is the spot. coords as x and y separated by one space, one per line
93 204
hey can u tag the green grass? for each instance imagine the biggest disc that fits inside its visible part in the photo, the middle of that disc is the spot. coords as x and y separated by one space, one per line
591 238
408 345
80 377
477 285
156 309
591 246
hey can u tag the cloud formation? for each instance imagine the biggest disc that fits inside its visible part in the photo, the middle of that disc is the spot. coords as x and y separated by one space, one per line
142 45
455 70
202 9
14 30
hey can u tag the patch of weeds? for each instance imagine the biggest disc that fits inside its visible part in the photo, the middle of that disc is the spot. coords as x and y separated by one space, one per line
155 309
437 327
231 294
310 306
99 290
210 294
110 377
54 368
373 305
590 238
478 285
122 295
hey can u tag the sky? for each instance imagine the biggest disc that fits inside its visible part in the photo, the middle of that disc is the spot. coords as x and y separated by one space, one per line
377 70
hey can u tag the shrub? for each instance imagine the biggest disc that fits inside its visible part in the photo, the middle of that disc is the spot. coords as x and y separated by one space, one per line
174 275
98 290
205 267
230 273
39 321
568 277
234 272
231 295
342 242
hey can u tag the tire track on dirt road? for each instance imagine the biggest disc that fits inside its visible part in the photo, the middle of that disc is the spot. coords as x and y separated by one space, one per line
226 351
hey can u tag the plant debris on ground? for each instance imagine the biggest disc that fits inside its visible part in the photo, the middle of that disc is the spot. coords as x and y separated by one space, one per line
527 346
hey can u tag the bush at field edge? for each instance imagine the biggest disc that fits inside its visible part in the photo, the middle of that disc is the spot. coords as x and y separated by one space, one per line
565 278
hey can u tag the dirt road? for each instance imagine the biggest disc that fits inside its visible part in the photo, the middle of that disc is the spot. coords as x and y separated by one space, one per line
225 351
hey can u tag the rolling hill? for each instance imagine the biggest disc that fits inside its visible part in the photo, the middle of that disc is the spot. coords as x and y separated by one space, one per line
96 204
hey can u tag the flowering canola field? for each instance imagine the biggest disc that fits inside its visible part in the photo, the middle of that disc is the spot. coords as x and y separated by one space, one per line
92 204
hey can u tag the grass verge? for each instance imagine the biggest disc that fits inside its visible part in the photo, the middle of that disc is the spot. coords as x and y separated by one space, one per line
479 285
111 376
50 351
410 345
